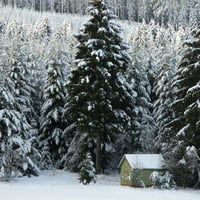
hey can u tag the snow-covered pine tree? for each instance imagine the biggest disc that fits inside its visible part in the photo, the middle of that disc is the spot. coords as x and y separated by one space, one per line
9 122
43 30
16 150
18 155
183 152
18 57
68 41
52 123
38 36
139 75
68 44
98 100
163 112
87 170
169 54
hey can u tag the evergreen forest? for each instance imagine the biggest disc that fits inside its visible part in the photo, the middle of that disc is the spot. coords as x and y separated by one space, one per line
86 82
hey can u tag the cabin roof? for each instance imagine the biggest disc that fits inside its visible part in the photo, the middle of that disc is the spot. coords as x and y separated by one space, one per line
144 161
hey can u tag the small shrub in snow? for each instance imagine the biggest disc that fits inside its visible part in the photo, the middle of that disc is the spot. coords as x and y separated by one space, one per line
87 170
163 180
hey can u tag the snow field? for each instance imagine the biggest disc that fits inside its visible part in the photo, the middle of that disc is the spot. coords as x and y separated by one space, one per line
61 185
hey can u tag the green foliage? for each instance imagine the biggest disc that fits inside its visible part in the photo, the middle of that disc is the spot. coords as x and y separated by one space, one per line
185 124
99 98
87 170
163 180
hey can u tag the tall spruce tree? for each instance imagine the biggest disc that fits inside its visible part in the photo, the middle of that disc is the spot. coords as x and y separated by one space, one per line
140 75
52 124
38 36
18 155
183 152
99 100
169 55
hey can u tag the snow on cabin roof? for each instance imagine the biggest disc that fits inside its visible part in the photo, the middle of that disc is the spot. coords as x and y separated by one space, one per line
144 161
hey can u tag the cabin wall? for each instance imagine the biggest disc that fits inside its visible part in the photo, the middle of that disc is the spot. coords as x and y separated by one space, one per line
125 174
135 177
141 177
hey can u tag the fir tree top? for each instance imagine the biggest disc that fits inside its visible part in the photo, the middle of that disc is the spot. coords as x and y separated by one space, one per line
100 37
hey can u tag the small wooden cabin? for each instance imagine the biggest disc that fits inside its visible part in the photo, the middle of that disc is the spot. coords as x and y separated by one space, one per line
135 169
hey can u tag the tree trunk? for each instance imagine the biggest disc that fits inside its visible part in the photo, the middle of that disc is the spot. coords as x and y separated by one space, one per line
98 154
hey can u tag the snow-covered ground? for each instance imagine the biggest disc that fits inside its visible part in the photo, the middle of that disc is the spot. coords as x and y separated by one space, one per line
60 185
